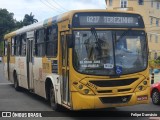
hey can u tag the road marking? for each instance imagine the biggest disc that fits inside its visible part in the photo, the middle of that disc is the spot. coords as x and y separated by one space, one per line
6 83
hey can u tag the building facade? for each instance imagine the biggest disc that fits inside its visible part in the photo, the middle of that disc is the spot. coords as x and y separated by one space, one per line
150 10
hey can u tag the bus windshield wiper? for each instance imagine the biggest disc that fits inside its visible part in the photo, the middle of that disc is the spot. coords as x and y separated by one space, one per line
98 44
124 33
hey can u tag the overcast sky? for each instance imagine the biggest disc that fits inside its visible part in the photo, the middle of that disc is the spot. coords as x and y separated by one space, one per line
43 9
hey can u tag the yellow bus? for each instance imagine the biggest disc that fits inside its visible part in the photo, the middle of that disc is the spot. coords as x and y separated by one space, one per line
82 59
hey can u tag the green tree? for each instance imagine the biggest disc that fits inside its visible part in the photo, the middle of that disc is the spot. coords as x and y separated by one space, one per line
157 61
1 49
7 22
29 19
19 24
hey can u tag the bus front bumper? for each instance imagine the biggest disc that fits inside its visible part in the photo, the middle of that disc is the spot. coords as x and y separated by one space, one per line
80 101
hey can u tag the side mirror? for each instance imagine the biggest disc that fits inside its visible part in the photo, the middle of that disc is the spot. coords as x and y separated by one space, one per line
69 40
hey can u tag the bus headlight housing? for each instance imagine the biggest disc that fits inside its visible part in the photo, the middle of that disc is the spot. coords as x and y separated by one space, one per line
86 91
142 86
82 88
145 82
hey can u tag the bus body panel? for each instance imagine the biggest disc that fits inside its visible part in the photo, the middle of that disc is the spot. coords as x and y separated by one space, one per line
38 75
21 71
56 81
77 82
18 67
93 102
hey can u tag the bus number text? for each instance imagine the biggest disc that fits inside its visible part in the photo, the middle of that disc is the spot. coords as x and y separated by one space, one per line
93 19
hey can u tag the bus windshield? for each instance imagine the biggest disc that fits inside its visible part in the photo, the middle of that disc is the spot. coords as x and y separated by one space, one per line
110 52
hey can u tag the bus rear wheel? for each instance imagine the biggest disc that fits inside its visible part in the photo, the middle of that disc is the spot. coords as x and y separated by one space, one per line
16 84
54 105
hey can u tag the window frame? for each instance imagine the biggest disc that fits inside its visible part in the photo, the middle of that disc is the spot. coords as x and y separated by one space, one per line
157 22
17 52
22 45
140 2
12 46
152 4
158 5
36 43
5 47
122 3
110 2
55 40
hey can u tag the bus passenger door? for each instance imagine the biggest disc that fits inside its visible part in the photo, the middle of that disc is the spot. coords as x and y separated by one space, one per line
30 38
65 70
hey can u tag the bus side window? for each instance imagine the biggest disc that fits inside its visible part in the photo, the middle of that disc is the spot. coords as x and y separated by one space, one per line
23 45
12 44
17 46
40 43
5 47
51 41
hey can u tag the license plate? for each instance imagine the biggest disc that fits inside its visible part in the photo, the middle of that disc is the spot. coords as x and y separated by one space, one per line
140 98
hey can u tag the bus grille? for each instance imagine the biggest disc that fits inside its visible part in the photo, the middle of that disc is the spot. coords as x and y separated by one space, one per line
113 83
104 91
115 100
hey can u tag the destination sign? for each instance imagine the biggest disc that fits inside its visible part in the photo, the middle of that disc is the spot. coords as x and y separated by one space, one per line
103 20
108 20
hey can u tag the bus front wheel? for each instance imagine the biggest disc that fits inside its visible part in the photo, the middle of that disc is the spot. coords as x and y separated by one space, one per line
54 105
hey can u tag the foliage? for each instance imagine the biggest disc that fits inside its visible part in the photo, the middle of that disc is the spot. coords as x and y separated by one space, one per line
7 23
19 24
151 64
155 63
158 58
1 49
29 19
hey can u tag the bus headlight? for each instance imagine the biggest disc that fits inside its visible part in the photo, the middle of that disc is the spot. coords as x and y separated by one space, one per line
80 86
83 89
142 86
144 82
86 91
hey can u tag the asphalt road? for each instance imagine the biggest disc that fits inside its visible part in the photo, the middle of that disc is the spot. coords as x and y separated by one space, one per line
11 100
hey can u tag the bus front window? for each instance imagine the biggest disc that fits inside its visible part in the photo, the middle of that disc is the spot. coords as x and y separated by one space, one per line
94 53
131 51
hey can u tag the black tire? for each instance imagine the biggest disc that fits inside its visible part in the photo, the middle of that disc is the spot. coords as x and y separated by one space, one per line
16 84
54 105
156 97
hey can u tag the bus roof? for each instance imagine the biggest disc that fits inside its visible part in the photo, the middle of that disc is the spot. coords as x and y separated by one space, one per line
56 19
